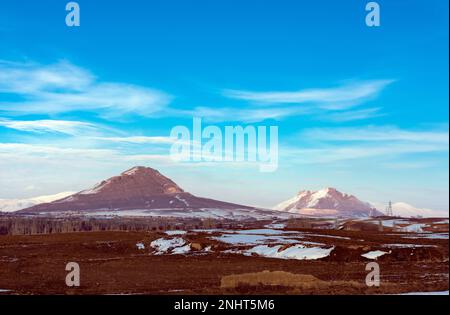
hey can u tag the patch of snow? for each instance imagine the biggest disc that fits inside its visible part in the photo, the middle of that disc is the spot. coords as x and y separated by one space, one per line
406 245
248 239
299 252
434 236
131 171
374 254
258 236
182 250
182 200
175 232
209 231
140 246
414 228
275 226
162 245
97 188
311 243
390 223
263 232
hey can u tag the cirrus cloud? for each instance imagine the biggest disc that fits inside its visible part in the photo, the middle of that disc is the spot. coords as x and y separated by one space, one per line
47 125
337 98
64 87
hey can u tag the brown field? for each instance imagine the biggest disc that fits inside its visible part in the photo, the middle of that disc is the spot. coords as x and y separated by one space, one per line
110 263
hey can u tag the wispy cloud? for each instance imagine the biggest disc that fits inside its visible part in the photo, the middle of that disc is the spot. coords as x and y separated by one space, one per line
138 139
330 154
48 126
64 87
328 145
341 97
31 151
44 154
248 115
331 104
353 114
407 165
377 133
63 166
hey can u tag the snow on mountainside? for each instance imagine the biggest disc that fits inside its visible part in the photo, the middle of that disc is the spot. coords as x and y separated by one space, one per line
403 209
10 205
327 202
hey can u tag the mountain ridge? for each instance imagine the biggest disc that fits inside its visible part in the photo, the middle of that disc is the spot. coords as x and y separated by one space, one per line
137 188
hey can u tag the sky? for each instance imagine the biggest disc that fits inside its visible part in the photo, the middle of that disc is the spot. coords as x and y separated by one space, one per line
363 109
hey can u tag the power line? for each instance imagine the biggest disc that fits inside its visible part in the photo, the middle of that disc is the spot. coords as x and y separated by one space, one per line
389 211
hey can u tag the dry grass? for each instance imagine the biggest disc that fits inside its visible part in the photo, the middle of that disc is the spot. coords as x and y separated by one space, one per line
281 279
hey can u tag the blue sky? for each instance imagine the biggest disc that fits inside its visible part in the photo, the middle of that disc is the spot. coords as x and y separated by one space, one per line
360 109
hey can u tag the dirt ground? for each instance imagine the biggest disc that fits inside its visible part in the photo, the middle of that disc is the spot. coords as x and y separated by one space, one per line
110 263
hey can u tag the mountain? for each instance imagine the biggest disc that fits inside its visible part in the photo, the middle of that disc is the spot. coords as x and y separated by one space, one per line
403 209
11 205
140 188
327 202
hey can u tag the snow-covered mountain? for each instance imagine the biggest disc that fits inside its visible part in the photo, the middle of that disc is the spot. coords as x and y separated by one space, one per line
327 202
11 205
403 209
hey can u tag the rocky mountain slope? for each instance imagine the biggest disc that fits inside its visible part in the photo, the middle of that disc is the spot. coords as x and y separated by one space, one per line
136 188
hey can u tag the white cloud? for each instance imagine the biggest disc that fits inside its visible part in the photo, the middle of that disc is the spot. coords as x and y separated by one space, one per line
64 87
25 152
332 104
333 153
253 114
327 98
352 115
138 139
44 126
329 145
377 133
49 157
10 205
64 166
411 165
246 114
23 78
31 151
